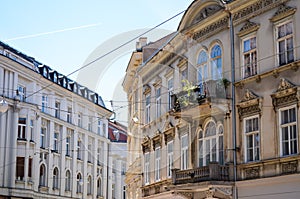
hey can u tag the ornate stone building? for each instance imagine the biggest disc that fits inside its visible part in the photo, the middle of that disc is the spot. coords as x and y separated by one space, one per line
214 106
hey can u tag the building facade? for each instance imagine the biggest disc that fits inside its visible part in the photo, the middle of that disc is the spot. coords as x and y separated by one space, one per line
214 109
54 135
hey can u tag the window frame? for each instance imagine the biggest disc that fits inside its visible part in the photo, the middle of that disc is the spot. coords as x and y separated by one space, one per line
184 151
170 91
246 134
170 158
147 108
249 52
147 168
158 102
212 60
44 108
157 164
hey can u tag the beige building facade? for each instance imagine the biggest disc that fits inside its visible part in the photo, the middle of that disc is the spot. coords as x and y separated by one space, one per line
198 128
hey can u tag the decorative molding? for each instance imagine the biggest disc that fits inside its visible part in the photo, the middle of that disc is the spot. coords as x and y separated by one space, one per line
206 12
285 94
146 89
169 134
188 195
182 62
252 172
211 29
248 28
283 12
225 190
157 140
255 9
289 167
146 144
250 104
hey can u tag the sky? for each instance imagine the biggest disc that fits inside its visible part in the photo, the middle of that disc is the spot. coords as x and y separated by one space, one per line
69 34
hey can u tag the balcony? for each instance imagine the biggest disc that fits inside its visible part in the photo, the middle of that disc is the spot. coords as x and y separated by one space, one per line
214 171
188 101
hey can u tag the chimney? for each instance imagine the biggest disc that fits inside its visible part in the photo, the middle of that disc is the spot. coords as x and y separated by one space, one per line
141 43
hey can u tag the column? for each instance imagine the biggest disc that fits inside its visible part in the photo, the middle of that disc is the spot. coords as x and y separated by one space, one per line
63 158
1 81
95 164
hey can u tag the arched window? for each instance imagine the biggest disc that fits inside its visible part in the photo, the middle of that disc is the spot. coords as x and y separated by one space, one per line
216 62
55 178
43 175
99 186
202 69
89 185
68 181
210 144
79 183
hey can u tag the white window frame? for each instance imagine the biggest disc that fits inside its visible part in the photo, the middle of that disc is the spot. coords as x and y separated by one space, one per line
22 129
55 184
31 129
158 101
21 92
288 125
57 109
90 123
170 92
78 146
90 153
157 154
253 66
202 69
69 115
212 60
43 134
148 108
184 152
79 120
99 126
68 145
45 104
254 148
68 181
56 141
284 39
147 168
170 156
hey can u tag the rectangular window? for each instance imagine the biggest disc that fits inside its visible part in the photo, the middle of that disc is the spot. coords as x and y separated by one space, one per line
89 153
31 129
288 131
169 158
22 129
68 146
69 115
30 167
78 150
285 44
45 104
57 109
184 152
158 102
249 57
43 138
252 141
55 141
79 120
21 92
99 156
90 124
184 76
99 127
147 167
170 92
157 164
20 168
147 112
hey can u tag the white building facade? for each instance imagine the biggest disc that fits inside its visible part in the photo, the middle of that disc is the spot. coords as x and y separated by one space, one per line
53 137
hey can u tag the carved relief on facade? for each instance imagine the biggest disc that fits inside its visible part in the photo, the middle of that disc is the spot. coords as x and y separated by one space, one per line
206 12
250 104
169 133
285 94
187 195
289 167
247 28
283 12
157 140
146 144
252 172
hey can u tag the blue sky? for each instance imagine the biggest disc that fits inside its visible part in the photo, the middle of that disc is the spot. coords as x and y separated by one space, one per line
63 33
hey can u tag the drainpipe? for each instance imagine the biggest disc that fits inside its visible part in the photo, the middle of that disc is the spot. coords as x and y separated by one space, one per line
233 105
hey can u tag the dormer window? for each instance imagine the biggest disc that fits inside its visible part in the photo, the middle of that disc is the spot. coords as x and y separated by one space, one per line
95 99
45 72
85 93
55 77
75 88
64 82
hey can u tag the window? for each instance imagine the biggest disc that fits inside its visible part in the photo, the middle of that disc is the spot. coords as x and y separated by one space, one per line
99 127
216 62
184 76
184 152
79 183
251 129
45 104
202 70
57 109
55 77
69 115
20 168
285 44
170 92
78 150
288 131
249 57
124 192
90 124
43 137
99 186
99 156
30 168
169 158
55 178
79 120
89 185
147 113
157 164
104 129
147 167
89 153
31 130
55 141
158 102
22 129
68 146
21 91
68 181
42 179
210 144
